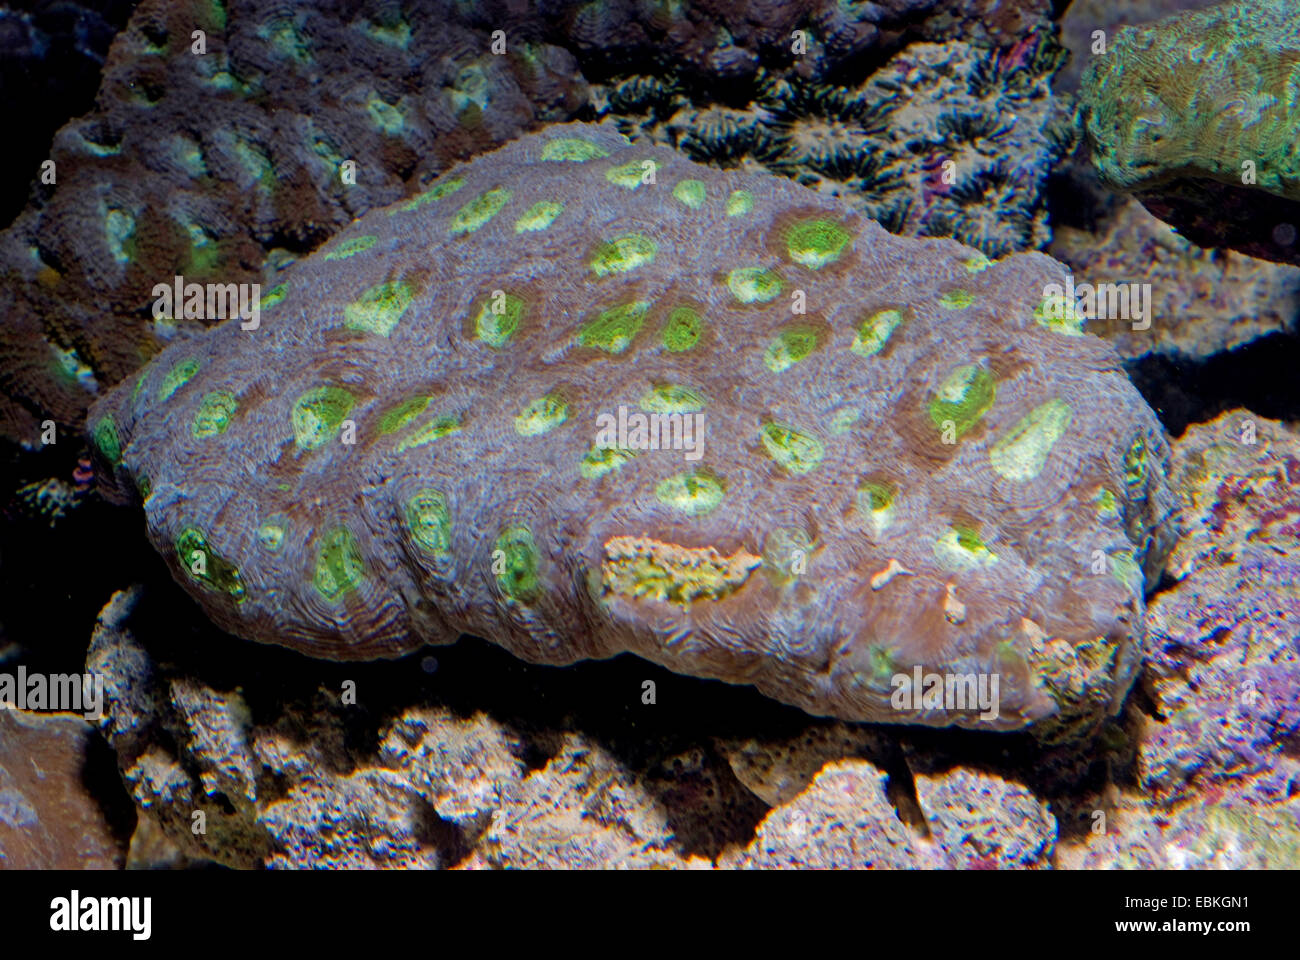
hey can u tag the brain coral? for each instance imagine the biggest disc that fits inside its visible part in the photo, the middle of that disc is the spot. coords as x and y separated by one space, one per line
905 463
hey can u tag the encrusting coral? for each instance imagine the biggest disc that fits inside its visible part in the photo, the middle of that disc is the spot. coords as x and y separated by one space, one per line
872 457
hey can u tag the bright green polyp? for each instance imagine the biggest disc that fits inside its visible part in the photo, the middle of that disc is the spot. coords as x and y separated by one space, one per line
875 332
213 415
429 520
682 331
379 309
516 563
740 203
317 414
443 188
177 377
270 536
690 192
789 347
671 398
350 248
615 329
478 211
693 493
876 503
963 398
436 429
796 451
956 299
107 440
399 416
599 461
542 415
574 150
1022 453
498 319
631 175
816 243
623 254
205 567
961 548
539 216
339 567
273 296
754 285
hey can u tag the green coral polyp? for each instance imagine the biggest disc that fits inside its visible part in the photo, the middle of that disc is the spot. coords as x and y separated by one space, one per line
598 461
1022 453
499 318
691 193
476 214
694 493
380 308
956 300
270 536
615 329
399 416
213 415
436 429
816 243
350 248
443 188
631 175
962 548
796 451
740 203
205 566
875 332
340 567
517 564
963 398
754 284
428 518
273 296
1135 463
789 347
876 503
683 329
542 415
107 440
671 398
317 414
177 377
573 150
623 254
539 216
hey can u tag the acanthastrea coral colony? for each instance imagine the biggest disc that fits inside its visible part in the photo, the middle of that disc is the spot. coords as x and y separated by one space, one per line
900 464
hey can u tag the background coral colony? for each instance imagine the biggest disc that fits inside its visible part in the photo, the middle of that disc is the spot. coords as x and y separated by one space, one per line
650 434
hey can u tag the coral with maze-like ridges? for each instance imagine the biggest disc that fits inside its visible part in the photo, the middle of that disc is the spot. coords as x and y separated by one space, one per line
921 469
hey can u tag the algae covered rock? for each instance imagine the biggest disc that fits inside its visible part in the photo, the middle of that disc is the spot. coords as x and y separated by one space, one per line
583 397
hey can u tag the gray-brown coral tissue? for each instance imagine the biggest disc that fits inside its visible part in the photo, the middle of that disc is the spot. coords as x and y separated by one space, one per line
583 397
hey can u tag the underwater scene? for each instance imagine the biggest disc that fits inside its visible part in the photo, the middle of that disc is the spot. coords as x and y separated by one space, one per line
734 434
